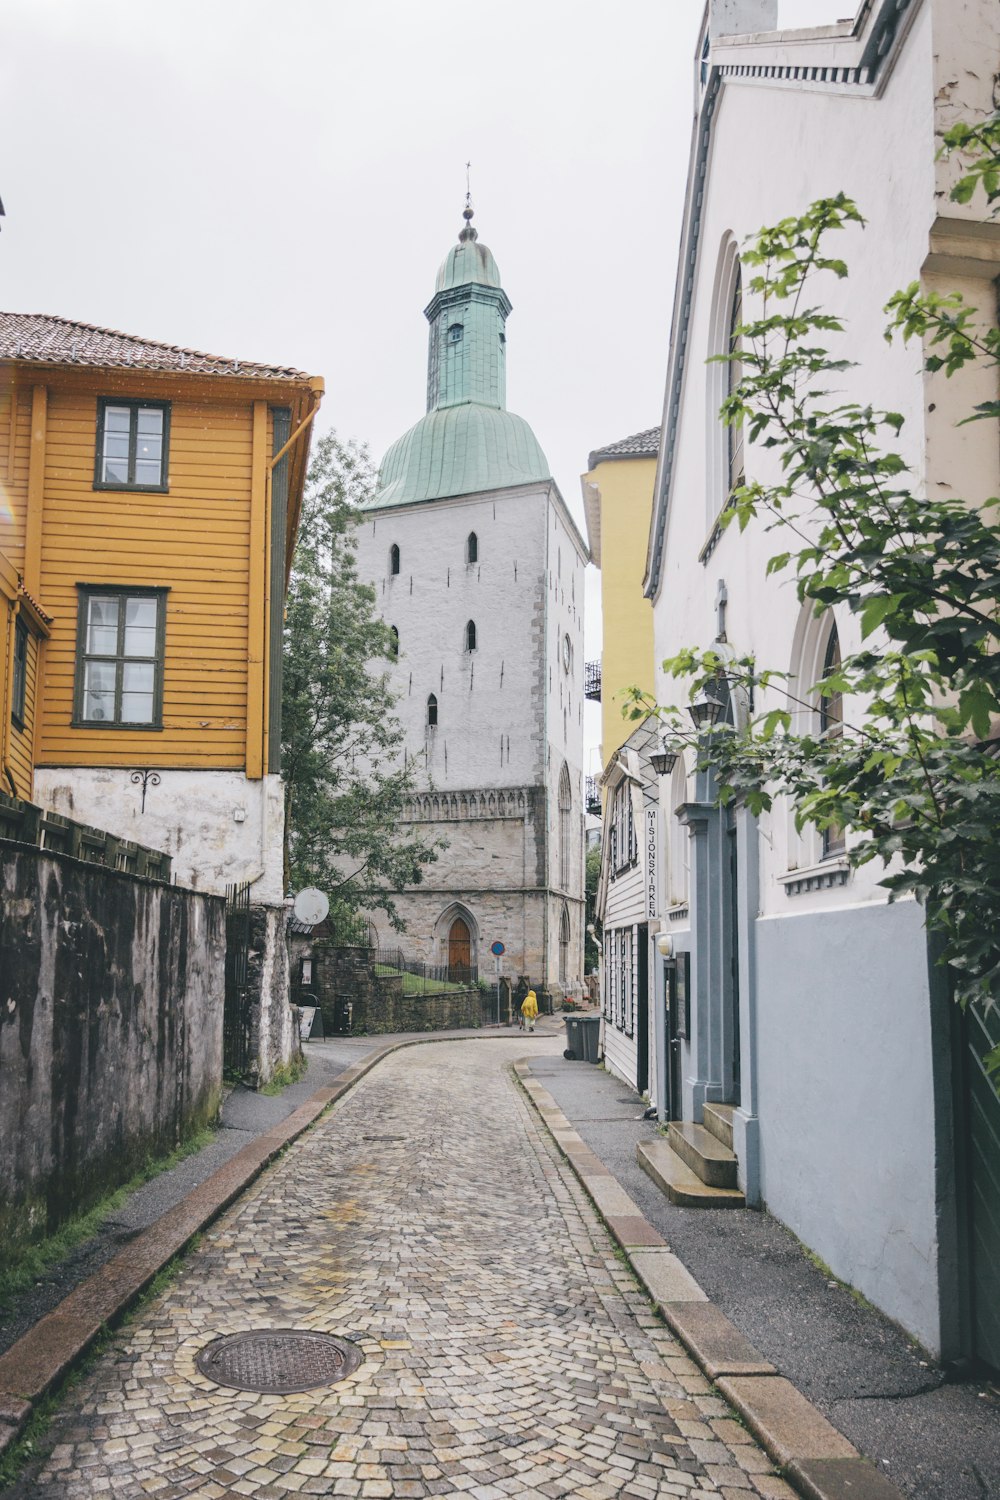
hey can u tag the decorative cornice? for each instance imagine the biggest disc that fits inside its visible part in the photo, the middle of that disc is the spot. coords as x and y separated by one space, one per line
816 877
470 806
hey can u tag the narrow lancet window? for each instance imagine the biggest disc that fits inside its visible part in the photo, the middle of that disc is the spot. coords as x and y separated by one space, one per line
472 548
470 636
394 559
432 712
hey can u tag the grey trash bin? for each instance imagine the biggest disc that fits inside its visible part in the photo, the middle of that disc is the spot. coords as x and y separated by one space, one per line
590 1037
574 1038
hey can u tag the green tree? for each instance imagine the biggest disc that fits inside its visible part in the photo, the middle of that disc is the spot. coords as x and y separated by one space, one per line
346 780
912 777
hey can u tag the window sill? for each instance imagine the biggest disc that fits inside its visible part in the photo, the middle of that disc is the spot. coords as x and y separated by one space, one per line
133 489
830 872
106 724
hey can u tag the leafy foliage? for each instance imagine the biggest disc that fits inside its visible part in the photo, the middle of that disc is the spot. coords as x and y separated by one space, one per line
911 781
346 784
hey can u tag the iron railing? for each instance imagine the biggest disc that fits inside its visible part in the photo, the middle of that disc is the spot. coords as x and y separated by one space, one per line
592 680
593 796
24 823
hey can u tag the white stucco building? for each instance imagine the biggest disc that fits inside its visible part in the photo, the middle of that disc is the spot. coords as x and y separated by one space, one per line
813 1018
478 568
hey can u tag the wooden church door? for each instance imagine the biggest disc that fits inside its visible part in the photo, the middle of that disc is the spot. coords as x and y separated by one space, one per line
459 950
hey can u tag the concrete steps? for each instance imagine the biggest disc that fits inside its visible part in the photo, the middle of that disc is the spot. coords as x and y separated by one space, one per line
682 1185
704 1153
718 1118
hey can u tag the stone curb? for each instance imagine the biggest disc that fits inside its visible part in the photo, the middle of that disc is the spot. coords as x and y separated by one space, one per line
42 1358
811 1454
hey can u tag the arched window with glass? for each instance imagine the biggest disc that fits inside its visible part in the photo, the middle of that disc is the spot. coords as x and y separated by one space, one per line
831 726
472 548
470 636
565 828
394 560
734 371
393 642
432 712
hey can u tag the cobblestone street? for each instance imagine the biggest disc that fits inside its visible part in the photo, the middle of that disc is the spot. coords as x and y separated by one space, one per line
507 1349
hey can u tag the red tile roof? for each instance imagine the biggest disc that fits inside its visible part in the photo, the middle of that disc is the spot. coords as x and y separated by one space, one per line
42 339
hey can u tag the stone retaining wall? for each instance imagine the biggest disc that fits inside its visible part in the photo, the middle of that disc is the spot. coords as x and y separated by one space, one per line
111 995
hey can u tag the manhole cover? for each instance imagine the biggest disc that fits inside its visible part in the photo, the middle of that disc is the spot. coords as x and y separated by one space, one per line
277 1361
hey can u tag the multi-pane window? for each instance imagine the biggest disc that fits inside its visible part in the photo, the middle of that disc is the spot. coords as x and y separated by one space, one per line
394 559
432 711
119 679
623 845
132 442
20 683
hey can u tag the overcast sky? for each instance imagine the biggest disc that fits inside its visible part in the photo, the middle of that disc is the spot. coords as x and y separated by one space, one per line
281 182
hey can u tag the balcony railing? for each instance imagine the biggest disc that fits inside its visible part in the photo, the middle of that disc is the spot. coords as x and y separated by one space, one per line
592 681
593 796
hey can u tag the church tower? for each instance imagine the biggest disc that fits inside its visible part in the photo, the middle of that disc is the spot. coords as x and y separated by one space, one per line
478 568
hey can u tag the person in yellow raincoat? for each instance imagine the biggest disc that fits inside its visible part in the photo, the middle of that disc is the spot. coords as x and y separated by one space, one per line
529 1009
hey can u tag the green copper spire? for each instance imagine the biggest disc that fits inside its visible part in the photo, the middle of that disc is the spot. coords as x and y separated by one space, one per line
468 441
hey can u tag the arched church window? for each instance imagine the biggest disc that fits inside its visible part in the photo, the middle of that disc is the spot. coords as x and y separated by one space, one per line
565 827
394 559
735 375
432 712
472 548
470 636
393 642
564 948
831 724
455 333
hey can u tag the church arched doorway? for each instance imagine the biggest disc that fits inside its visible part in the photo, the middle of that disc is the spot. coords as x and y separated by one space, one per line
459 950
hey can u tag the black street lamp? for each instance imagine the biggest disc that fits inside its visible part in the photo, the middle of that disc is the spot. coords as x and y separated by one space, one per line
706 711
663 760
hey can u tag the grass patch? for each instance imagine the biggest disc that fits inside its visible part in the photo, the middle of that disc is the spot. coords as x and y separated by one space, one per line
31 1444
24 1265
283 1075
416 984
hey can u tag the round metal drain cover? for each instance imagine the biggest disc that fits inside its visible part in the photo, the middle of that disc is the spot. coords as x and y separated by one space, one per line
278 1361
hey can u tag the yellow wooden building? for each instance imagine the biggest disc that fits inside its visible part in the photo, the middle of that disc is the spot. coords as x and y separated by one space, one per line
618 501
149 500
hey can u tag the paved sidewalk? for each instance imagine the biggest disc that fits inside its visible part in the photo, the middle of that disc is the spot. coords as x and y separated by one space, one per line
507 1350
936 1440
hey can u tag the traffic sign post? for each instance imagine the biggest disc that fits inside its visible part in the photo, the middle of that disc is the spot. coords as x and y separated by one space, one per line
498 950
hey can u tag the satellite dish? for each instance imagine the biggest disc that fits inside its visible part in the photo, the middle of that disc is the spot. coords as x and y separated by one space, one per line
311 906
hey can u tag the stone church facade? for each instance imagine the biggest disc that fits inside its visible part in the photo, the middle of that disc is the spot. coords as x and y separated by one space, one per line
478 568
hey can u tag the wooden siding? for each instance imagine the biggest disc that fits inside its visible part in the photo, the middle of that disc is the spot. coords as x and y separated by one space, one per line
193 541
15 434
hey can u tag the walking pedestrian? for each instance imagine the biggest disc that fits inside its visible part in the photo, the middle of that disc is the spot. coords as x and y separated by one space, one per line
529 1009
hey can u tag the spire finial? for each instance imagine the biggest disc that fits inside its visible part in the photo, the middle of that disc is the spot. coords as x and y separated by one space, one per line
467 232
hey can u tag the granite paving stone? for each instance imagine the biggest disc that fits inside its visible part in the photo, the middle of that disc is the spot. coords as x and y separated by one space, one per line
506 1350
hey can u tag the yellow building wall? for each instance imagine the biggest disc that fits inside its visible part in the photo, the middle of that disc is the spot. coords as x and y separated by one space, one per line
193 541
15 431
626 499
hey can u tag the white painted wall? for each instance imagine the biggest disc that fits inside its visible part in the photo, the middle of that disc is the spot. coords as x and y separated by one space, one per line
194 816
841 1009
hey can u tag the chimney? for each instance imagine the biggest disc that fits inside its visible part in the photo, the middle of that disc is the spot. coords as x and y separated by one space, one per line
740 17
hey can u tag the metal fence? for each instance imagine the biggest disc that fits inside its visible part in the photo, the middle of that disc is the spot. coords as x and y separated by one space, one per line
592 680
25 823
421 977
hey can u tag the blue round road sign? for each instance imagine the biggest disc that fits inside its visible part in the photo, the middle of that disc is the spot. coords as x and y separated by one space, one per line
498 948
